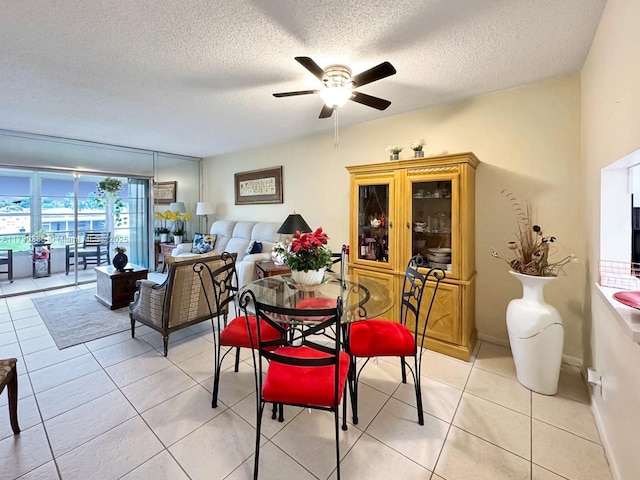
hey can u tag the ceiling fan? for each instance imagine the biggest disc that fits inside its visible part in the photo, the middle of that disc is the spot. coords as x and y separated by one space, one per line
339 85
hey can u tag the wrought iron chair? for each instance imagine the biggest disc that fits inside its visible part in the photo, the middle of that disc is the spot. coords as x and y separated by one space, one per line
94 251
9 376
301 371
382 338
8 261
220 288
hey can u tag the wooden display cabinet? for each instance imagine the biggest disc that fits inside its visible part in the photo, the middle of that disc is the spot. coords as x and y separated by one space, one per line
420 206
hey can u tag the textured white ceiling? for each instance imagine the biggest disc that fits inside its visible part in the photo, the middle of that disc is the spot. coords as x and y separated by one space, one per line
197 77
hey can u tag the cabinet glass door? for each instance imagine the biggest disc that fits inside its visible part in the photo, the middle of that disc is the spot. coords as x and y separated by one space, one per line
373 222
432 222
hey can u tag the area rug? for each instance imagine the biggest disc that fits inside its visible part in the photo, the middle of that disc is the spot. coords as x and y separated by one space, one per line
77 317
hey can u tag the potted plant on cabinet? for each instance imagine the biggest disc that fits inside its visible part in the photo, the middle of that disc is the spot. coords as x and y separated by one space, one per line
536 332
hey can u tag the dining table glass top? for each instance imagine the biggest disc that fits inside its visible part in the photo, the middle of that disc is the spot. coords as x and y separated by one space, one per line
362 297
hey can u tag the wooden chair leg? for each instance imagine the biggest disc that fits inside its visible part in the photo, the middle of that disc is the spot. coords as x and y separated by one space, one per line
12 391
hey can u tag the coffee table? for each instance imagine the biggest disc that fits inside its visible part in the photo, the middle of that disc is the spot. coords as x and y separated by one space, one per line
116 289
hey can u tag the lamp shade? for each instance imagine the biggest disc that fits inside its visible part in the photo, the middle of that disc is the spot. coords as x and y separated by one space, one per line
294 223
177 207
204 208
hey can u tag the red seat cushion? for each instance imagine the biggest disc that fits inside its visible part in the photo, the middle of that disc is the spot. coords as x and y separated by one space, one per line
317 302
304 385
235 334
380 338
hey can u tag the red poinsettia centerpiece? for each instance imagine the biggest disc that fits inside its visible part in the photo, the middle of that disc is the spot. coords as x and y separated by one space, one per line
308 251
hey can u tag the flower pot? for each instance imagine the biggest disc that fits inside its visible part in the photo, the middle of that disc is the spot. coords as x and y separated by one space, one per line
418 153
536 336
177 239
164 237
278 258
394 156
312 277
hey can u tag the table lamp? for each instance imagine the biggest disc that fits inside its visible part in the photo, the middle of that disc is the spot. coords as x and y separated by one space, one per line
292 224
205 208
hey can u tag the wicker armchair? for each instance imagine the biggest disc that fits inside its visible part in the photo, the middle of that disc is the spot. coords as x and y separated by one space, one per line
178 302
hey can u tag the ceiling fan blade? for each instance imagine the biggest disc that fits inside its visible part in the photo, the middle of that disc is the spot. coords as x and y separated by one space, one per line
370 101
293 94
385 69
313 67
326 112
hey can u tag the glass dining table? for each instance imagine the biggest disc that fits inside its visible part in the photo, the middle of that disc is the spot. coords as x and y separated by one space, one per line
362 297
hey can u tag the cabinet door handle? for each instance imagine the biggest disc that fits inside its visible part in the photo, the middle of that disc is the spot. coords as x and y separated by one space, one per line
408 225
390 224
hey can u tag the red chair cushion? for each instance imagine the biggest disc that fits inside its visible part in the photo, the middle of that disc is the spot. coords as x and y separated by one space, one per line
235 334
317 302
304 385
380 338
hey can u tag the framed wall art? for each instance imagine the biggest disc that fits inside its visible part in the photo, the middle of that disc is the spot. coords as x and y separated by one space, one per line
259 186
164 192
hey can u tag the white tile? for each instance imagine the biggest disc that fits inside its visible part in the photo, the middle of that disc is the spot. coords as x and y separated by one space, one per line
539 473
112 454
499 389
24 389
137 368
32 332
52 356
234 386
28 322
397 426
186 348
373 460
28 416
109 340
496 359
8 338
156 388
74 393
26 452
274 464
178 416
467 457
60 373
75 427
570 415
246 408
568 455
5 317
445 369
196 453
438 399
6 327
154 338
572 385
310 439
36 344
380 374
370 402
199 367
47 471
496 424
161 467
121 351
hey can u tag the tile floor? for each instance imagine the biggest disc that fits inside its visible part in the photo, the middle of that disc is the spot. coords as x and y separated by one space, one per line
116 408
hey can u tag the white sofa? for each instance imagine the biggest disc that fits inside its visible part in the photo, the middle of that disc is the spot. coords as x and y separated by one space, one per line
234 237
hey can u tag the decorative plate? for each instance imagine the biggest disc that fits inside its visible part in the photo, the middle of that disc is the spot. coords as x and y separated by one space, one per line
630 299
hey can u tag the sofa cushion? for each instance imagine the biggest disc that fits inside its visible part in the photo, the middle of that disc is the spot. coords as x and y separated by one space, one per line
255 246
203 243
243 230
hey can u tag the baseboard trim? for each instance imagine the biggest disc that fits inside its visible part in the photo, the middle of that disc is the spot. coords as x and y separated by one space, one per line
603 437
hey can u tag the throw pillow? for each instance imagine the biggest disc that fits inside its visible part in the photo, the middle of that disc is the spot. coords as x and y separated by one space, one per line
253 247
203 243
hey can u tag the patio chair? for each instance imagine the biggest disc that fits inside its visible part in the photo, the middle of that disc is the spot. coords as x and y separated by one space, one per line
9 376
8 261
94 251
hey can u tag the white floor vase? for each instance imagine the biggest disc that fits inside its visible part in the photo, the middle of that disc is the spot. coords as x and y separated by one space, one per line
536 335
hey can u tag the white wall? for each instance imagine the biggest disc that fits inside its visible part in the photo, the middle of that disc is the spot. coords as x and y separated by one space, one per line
610 131
528 141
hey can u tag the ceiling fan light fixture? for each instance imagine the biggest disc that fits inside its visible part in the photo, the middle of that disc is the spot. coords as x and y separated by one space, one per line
335 97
